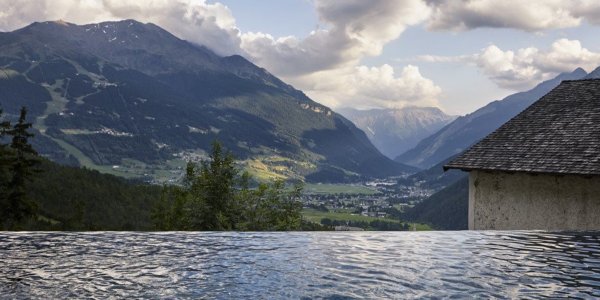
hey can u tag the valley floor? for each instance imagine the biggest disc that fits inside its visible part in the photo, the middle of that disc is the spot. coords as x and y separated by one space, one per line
368 206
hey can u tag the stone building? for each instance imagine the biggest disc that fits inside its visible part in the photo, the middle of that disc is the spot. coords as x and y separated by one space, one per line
541 169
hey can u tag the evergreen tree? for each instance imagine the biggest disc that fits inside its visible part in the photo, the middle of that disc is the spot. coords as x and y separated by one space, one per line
4 153
213 191
216 196
23 158
4 164
169 212
273 208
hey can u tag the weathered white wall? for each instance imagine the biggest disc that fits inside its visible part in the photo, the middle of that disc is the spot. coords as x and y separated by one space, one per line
500 201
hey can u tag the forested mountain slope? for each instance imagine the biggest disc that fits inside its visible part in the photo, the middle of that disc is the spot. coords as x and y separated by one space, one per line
134 100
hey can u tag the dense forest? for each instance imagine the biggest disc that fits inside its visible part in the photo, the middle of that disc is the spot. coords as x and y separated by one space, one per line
36 194
70 198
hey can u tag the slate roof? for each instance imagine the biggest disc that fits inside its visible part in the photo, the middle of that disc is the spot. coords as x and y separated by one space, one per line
559 134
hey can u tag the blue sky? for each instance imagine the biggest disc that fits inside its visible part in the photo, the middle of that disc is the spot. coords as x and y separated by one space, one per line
277 17
457 55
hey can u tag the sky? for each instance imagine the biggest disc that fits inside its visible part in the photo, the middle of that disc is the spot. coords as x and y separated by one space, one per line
456 55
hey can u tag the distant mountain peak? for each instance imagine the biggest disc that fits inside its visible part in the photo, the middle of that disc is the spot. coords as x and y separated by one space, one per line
129 26
594 74
394 131
62 22
133 25
577 73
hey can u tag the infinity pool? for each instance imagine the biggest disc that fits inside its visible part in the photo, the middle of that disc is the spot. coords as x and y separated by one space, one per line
327 265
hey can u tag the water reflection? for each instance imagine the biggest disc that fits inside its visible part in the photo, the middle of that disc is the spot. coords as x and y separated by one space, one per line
300 265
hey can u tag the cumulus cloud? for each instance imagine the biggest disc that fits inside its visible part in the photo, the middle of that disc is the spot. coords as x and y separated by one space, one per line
371 87
353 29
530 15
326 63
525 67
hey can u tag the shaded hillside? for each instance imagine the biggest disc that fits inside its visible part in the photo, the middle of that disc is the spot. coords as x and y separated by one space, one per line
464 131
445 210
79 199
394 131
132 99
434 178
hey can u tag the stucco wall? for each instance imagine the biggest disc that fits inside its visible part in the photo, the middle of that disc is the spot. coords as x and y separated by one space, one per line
501 201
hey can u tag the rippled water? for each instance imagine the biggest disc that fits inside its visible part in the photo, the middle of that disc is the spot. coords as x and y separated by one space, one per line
300 265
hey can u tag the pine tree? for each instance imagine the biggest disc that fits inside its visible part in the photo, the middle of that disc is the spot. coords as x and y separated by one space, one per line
4 153
216 189
23 159
5 156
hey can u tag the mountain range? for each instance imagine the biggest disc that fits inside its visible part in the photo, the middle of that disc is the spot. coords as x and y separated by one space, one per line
466 130
132 99
394 131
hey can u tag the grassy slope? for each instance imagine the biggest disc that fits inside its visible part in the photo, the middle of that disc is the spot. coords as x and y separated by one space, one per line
315 216
338 189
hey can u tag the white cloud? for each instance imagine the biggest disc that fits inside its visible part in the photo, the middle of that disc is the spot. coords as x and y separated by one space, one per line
375 87
16 14
525 67
509 69
326 63
290 56
353 29
588 9
530 15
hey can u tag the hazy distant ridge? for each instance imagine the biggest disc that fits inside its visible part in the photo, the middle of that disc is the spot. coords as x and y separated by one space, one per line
394 131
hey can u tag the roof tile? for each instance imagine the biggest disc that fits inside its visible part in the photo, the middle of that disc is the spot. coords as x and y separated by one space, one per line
560 133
